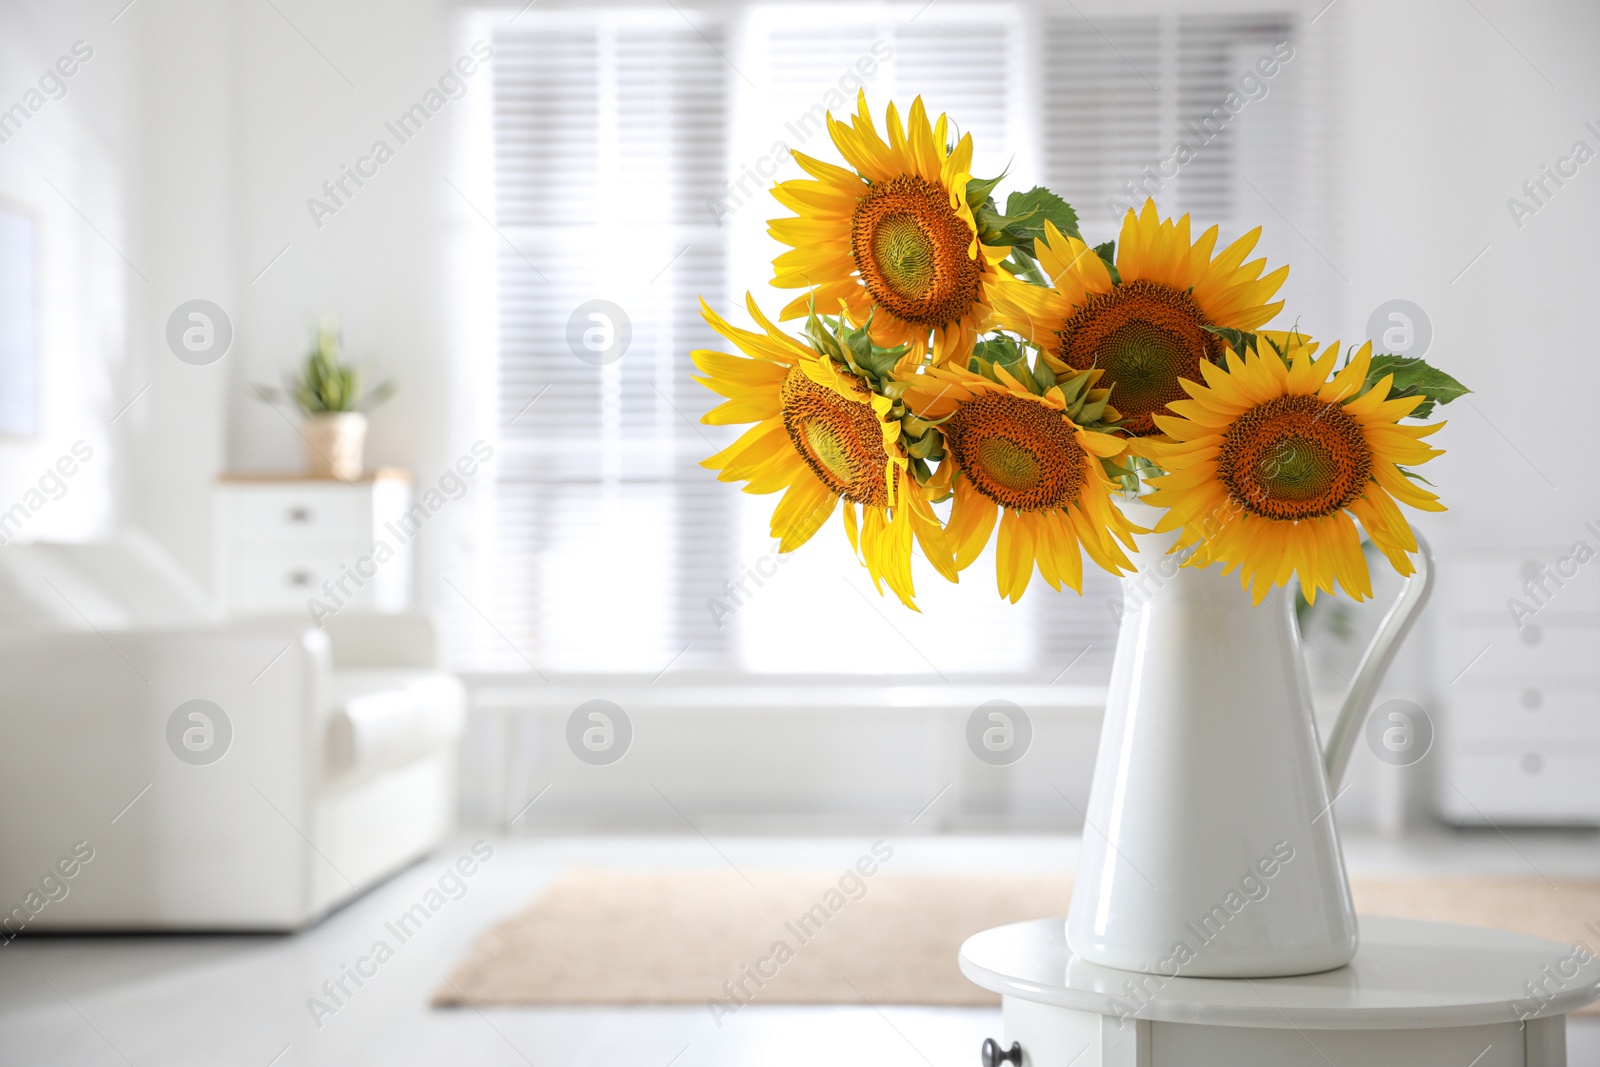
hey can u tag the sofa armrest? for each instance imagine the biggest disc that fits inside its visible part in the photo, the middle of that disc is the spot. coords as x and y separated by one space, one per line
368 641
88 747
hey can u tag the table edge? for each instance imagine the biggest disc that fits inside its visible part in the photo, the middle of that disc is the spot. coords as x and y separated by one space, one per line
1269 1016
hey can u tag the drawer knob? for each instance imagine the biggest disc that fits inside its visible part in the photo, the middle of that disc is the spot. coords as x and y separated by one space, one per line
1532 763
1531 634
1532 697
993 1056
301 515
300 578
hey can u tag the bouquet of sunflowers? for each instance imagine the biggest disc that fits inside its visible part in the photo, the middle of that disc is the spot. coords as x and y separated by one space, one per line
954 352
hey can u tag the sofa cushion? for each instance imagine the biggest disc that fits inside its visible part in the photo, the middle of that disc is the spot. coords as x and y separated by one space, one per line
386 718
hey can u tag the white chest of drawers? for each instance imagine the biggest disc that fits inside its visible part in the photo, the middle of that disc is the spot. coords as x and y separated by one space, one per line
1519 659
288 543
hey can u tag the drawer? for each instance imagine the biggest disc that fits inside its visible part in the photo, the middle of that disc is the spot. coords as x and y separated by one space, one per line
1528 783
1481 655
1482 583
1537 711
284 581
298 514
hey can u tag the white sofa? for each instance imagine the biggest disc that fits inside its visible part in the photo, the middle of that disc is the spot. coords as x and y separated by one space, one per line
340 768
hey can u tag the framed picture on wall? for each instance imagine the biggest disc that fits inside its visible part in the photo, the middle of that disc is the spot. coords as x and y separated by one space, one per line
19 322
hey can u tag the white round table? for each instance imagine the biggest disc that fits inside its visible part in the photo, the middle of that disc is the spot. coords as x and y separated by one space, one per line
1418 994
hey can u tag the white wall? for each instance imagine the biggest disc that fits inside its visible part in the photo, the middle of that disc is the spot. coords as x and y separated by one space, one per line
73 166
191 141
1444 116
382 262
1443 111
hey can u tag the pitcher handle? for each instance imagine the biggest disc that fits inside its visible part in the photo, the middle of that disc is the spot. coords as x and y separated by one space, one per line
1375 664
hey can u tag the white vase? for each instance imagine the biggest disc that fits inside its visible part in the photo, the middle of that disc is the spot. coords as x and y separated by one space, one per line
1209 848
335 443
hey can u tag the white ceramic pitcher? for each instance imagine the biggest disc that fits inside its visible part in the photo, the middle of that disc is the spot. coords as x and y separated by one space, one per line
1209 848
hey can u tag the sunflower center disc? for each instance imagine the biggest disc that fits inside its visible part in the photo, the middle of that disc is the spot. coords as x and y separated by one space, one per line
1008 463
910 248
1146 337
840 439
904 254
1020 454
1294 457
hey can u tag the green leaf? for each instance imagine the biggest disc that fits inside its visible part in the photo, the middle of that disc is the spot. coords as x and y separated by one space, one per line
1026 214
1413 377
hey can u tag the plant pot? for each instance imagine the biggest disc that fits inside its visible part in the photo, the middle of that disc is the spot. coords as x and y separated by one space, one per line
334 444
1209 849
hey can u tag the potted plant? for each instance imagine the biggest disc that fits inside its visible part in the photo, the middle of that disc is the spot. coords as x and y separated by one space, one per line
333 405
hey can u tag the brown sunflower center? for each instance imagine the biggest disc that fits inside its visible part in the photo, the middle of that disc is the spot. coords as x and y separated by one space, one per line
1294 457
1020 454
1145 336
840 439
910 248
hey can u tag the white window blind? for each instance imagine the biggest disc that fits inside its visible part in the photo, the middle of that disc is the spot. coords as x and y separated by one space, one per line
609 136
619 140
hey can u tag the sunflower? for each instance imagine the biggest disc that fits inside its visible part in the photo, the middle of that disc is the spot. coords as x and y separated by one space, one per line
1013 448
895 234
1273 456
1153 325
821 435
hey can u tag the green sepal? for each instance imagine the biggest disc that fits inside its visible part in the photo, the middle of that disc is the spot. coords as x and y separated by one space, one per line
1128 471
1074 387
1240 341
822 340
1022 267
979 190
1414 377
1414 476
1108 255
1044 374
1093 411
924 474
852 345
1005 351
929 446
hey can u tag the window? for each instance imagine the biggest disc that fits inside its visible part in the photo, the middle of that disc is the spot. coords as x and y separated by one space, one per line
632 151
610 134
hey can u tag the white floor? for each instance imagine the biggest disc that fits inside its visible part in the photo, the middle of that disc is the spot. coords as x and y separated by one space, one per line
176 1001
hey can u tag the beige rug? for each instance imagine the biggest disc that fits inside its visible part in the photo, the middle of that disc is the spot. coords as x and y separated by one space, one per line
633 937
